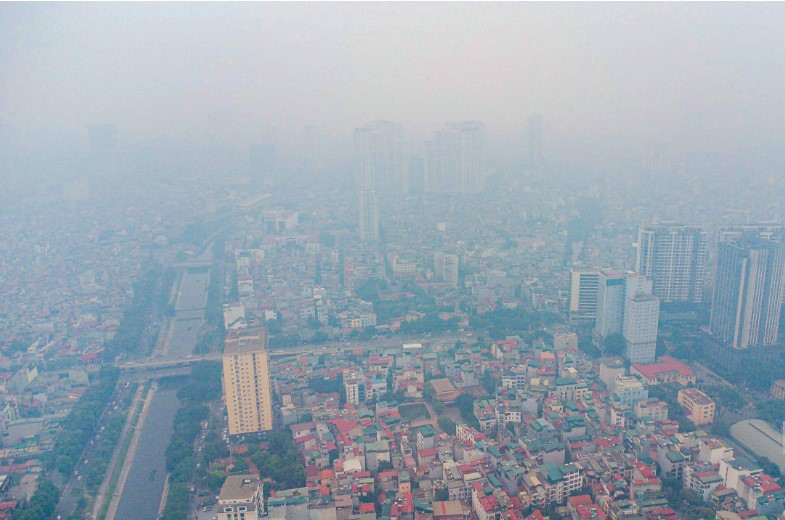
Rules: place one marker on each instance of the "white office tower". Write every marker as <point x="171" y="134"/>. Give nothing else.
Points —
<point x="610" y="304"/>
<point x="641" y="316"/>
<point x="673" y="257"/>
<point x="745" y="310"/>
<point x="369" y="216"/>
<point x="379" y="149"/>
<point x="445" y="268"/>
<point x="455" y="159"/>
<point x="583" y="296"/>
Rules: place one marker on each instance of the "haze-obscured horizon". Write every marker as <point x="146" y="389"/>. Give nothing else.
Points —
<point x="187" y="85"/>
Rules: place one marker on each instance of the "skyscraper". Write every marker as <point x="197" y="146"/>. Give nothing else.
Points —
<point x="246" y="382"/>
<point x="748" y="292"/>
<point x="369" y="216"/>
<point x="673" y="256"/>
<point x="445" y="268"/>
<point x="583" y="296"/>
<point x="640" y="319"/>
<point x="380" y="168"/>
<point x="455" y="159"/>
<point x="380" y="158"/>
<point x="416" y="175"/>
<point x="610" y="305"/>
<point x="626" y="306"/>
<point x="535" y="126"/>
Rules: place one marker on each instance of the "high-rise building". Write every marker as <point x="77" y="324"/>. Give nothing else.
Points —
<point x="445" y="268"/>
<point x="673" y="257"/>
<point x="455" y="159"/>
<point x="535" y="126"/>
<point x="610" y="305"/>
<point x="380" y="158"/>
<point x="640" y="320"/>
<point x="380" y="168"/>
<point x="584" y="284"/>
<point x="748" y="292"/>
<point x="766" y="231"/>
<point x="416" y="175"/>
<point x="369" y="216"/>
<point x="626" y="306"/>
<point x="246" y="381"/>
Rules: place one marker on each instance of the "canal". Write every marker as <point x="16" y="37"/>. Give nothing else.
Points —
<point x="144" y="485"/>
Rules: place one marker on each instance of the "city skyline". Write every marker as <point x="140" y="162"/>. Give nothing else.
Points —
<point x="392" y="261"/>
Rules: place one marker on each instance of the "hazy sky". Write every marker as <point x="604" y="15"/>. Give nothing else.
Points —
<point x="708" y="75"/>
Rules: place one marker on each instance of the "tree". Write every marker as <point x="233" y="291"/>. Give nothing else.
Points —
<point x="384" y="466"/>
<point x="447" y="425"/>
<point x="215" y="479"/>
<point x="613" y="345"/>
<point x="465" y="403"/>
<point x="730" y="398"/>
<point x="489" y="383"/>
<point x="42" y="504"/>
<point x="769" y="467"/>
<point x="240" y="466"/>
<point x="428" y="392"/>
<point x="720" y="429"/>
<point x="662" y="348"/>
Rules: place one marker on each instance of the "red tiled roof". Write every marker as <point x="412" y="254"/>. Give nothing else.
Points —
<point x="580" y="500"/>
<point x="666" y="364"/>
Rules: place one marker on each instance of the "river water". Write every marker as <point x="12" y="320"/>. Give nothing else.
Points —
<point x="144" y="485"/>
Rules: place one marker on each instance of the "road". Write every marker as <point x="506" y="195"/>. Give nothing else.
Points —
<point x="332" y="347"/>
<point x="68" y="500"/>
<point x="127" y="430"/>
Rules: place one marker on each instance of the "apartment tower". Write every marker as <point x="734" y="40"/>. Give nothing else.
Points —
<point x="455" y="159"/>
<point x="246" y="382"/>
<point x="640" y="319"/>
<point x="381" y="168"/>
<point x="748" y="292"/>
<point x="673" y="257"/>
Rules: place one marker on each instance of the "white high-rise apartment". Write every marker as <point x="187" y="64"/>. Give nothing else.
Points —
<point x="455" y="159"/>
<point x="673" y="257"/>
<point x="640" y="320"/>
<point x="748" y="292"/>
